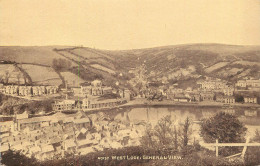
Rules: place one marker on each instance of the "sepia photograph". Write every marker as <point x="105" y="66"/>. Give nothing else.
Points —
<point x="129" y="82"/>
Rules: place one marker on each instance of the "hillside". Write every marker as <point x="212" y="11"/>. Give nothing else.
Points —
<point x="168" y="63"/>
<point x="191" y="61"/>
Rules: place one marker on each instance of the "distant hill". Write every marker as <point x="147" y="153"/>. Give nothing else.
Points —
<point x="183" y="62"/>
<point x="173" y="63"/>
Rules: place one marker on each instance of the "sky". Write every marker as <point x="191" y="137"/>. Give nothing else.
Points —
<point x="129" y="24"/>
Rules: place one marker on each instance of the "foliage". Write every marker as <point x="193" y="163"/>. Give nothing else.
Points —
<point x="185" y="131"/>
<point x="252" y="154"/>
<point x="85" y="74"/>
<point x="239" y="98"/>
<point x="11" y="158"/>
<point x="61" y="64"/>
<point x="257" y="136"/>
<point x="165" y="137"/>
<point x="224" y="127"/>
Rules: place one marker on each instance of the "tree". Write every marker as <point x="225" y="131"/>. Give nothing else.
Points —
<point x="224" y="127"/>
<point x="11" y="158"/>
<point x="175" y="138"/>
<point x="239" y="98"/>
<point x="7" y="76"/>
<point x="161" y="136"/>
<point x="164" y="132"/>
<point x="165" y="136"/>
<point x="185" y="131"/>
<point x="257" y="136"/>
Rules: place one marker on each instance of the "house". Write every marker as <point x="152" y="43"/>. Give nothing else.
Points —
<point x="34" y="150"/>
<point x="12" y="90"/>
<point x="40" y="90"/>
<point x="248" y="83"/>
<point x="64" y="105"/>
<point x="32" y="123"/>
<point x="7" y="126"/>
<point x="194" y="97"/>
<point x="126" y="94"/>
<point x="24" y="115"/>
<point x="76" y="91"/>
<point x="51" y="89"/>
<point x="96" y="104"/>
<point x="85" y="90"/>
<point x="96" y="83"/>
<point x="69" y="145"/>
<point x="228" y="91"/>
<point x="96" y="91"/>
<point x="85" y="143"/>
<point x="82" y="123"/>
<point x="86" y="150"/>
<point x="181" y="98"/>
<point x="47" y="152"/>
<point x="220" y="97"/>
<point x="229" y="99"/>
<point x="107" y="90"/>
<point x="212" y="84"/>
<point x="250" y="99"/>
<point x="207" y="96"/>
<point x="25" y="90"/>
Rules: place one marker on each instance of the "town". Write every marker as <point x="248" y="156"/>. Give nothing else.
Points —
<point x="59" y="134"/>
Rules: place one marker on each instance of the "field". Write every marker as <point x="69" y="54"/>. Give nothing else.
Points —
<point x="71" y="56"/>
<point x="72" y="79"/>
<point x="36" y="55"/>
<point x="91" y="53"/>
<point x="208" y="60"/>
<point x="216" y="66"/>
<point x="247" y="63"/>
<point x="41" y="75"/>
<point x="11" y="74"/>
<point x="97" y="66"/>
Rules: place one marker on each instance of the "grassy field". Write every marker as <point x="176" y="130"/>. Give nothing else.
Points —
<point x="72" y="79"/>
<point x="9" y="73"/>
<point x="37" y="55"/>
<point x="97" y="66"/>
<point x="216" y="66"/>
<point x="90" y="53"/>
<point x="41" y="75"/>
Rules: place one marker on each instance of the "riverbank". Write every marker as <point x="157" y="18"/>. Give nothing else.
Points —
<point x="145" y="102"/>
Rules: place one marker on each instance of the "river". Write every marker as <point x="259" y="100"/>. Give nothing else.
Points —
<point x="249" y="116"/>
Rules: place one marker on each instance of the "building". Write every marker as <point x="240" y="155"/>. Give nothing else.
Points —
<point x="41" y="90"/>
<point x="12" y="89"/>
<point x="250" y="99"/>
<point x="96" y="91"/>
<point x="212" y="84"/>
<point x="229" y="99"/>
<point x="97" y="104"/>
<point x="248" y="83"/>
<point x="64" y="105"/>
<point x="51" y="89"/>
<point x="228" y="91"/>
<point x="25" y="90"/>
<point x="126" y="94"/>
<point x="85" y="90"/>
<point x="107" y="90"/>
<point x="207" y="96"/>
<point x="180" y="98"/>
<point x="194" y="97"/>
<point x="96" y="83"/>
